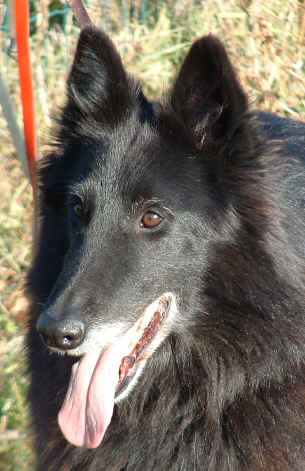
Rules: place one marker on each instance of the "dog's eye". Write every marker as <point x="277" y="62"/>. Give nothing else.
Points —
<point x="150" y="220"/>
<point x="78" y="209"/>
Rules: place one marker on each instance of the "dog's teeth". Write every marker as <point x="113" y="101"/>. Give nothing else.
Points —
<point x="126" y="364"/>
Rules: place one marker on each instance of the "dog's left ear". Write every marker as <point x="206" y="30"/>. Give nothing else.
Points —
<point x="98" y="86"/>
<point x="206" y="94"/>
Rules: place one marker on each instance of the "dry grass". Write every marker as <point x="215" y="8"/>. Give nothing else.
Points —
<point x="266" y="43"/>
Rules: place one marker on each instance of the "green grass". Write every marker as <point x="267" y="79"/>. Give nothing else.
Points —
<point x="15" y="233"/>
<point x="265" y="41"/>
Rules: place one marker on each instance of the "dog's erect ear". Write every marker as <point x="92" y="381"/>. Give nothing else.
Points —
<point x="98" y="85"/>
<point x="206" y="95"/>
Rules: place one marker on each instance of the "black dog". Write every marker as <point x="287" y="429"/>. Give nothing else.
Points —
<point x="170" y="272"/>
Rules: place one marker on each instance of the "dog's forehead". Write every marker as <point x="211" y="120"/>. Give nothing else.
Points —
<point x="140" y="159"/>
<point x="138" y="155"/>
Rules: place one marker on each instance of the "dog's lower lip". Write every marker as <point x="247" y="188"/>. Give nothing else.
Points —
<point x="130" y="362"/>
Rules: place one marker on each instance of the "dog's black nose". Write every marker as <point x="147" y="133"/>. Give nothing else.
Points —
<point x="64" y="334"/>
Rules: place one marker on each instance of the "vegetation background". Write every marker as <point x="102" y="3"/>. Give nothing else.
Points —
<point x="265" y="40"/>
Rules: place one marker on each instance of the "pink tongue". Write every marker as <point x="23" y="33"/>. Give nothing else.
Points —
<point x="88" y="406"/>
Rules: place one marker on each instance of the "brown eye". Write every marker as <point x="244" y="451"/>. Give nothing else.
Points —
<point x="150" y="220"/>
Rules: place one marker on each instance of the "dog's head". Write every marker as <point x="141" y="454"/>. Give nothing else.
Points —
<point x="133" y="200"/>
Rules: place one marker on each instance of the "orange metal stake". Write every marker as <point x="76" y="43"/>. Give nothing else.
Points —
<point x="25" y="77"/>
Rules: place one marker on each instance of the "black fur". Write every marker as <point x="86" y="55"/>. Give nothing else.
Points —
<point x="225" y="390"/>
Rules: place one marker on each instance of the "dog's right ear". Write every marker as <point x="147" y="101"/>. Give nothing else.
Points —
<point x="98" y="86"/>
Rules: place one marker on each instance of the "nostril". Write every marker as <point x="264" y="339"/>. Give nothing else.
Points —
<point x="64" y="334"/>
<point x="70" y="335"/>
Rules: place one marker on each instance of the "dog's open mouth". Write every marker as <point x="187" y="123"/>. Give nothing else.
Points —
<point x="100" y="378"/>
